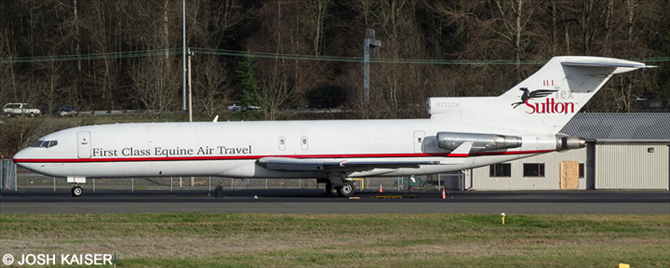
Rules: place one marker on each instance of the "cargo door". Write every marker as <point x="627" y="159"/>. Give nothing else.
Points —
<point x="84" y="144"/>
<point x="418" y="141"/>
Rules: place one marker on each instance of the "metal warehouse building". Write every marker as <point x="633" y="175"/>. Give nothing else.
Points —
<point x="624" y="151"/>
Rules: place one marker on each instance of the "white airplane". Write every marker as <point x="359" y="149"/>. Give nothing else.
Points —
<point x="462" y="133"/>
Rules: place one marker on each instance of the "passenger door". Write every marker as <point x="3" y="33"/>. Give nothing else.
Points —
<point x="84" y="144"/>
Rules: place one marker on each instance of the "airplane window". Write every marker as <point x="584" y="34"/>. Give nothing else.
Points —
<point x="45" y="144"/>
<point x="282" y="143"/>
<point x="37" y="144"/>
<point x="303" y="143"/>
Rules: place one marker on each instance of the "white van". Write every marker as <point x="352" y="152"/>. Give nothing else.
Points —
<point x="18" y="109"/>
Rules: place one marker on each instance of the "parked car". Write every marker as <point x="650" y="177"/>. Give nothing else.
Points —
<point x="252" y="107"/>
<point x="19" y="109"/>
<point x="59" y="111"/>
<point x="238" y="107"/>
<point x="235" y="107"/>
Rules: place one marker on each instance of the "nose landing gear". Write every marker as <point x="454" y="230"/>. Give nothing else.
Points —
<point x="77" y="191"/>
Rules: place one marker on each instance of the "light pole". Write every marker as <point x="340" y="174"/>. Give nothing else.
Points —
<point x="369" y="51"/>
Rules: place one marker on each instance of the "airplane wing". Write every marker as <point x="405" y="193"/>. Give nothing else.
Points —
<point x="298" y="164"/>
<point x="457" y="156"/>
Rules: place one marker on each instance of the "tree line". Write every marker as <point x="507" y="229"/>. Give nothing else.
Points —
<point x="517" y="31"/>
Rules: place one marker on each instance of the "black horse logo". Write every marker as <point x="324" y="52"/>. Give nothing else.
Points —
<point x="540" y="93"/>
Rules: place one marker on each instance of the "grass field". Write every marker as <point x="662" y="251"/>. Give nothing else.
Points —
<point x="414" y="240"/>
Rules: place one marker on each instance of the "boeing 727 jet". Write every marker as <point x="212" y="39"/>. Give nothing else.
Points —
<point x="461" y="133"/>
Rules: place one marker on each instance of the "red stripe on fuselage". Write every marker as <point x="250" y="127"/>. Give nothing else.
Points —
<point x="251" y="157"/>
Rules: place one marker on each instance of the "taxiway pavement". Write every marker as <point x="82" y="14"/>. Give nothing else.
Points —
<point x="298" y="201"/>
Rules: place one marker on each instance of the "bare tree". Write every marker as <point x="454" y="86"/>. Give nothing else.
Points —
<point x="588" y="31"/>
<point x="276" y="94"/>
<point x="211" y="84"/>
<point x="8" y="86"/>
<point x="318" y="9"/>
<point x="409" y="29"/>
<point x="514" y="17"/>
<point x="53" y="72"/>
<point x="154" y="87"/>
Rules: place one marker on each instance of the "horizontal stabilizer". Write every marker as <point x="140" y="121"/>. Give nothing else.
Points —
<point x="607" y="64"/>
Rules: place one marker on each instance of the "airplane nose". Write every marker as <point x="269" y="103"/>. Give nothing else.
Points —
<point x="21" y="155"/>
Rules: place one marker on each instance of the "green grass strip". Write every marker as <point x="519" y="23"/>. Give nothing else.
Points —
<point x="325" y="240"/>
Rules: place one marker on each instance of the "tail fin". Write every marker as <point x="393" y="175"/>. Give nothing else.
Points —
<point x="545" y="101"/>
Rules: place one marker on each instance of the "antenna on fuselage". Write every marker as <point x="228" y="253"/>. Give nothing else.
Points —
<point x="216" y="119"/>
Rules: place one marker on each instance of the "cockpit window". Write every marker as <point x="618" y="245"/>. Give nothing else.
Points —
<point x="38" y="144"/>
<point x="45" y="144"/>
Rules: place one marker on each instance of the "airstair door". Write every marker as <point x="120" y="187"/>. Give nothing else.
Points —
<point x="84" y="144"/>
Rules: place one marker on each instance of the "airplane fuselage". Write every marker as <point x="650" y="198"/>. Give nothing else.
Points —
<point x="231" y="149"/>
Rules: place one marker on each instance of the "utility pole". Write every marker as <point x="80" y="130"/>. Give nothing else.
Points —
<point x="190" y="89"/>
<point x="190" y="99"/>
<point x="369" y="52"/>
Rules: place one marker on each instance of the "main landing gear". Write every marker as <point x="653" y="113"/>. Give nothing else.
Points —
<point x="347" y="190"/>
<point x="337" y="185"/>
<point x="330" y="189"/>
<point x="77" y="191"/>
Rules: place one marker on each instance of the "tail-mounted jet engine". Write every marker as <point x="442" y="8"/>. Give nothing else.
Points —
<point x="481" y="142"/>
<point x="564" y="143"/>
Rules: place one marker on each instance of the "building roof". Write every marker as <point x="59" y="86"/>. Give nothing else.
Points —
<point x="620" y="126"/>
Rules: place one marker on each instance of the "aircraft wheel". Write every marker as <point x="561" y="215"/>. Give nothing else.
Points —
<point x="330" y="189"/>
<point x="347" y="190"/>
<point x="77" y="191"/>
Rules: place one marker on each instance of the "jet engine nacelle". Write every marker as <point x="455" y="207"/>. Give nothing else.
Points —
<point x="564" y="143"/>
<point x="481" y="142"/>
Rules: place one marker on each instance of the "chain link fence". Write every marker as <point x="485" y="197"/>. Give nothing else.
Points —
<point x="12" y="181"/>
<point x="8" y="181"/>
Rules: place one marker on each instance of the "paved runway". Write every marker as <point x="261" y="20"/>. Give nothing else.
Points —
<point x="43" y="201"/>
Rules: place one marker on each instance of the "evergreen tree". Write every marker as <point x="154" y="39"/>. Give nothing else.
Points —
<point x="251" y="93"/>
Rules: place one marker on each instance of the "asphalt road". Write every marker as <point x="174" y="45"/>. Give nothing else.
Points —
<point x="42" y="201"/>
